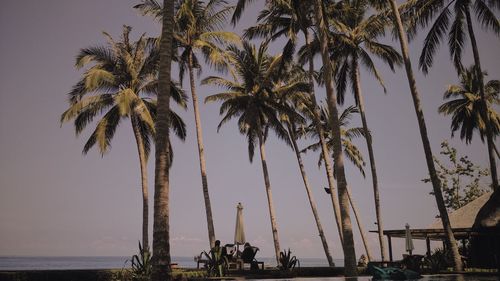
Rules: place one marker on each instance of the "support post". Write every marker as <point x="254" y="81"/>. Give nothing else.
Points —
<point x="428" y="244"/>
<point x="389" y="241"/>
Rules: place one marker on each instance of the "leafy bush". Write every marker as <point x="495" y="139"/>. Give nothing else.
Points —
<point x="438" y="260"/>
<point x="287" y="261"/>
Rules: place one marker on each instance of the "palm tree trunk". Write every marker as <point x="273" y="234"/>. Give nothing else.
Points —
<point x="162" y="269"/>
<point x="310" y="196"/>
<point x="272" y="215"/>
<point x="484" y="112"/>
<point x="361" y="228"/>
<point x="324" y="149"/>
<point x="143" y="161"/>
<point x="348" y="245"/>
<point x="201" y="153"/>
<point x="436" y="184"/>
<point x="369" y="144"/>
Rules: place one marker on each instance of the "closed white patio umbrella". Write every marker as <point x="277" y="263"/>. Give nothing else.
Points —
<point x="408" y="240"/>
<point x="239" y="232"/>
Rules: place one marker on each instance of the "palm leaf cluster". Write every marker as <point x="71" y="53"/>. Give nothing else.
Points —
<point x="448" y="18"/>
<point x="120" y="82"/>
<point x="464" y="105"/>
<point x="254" y="100"/>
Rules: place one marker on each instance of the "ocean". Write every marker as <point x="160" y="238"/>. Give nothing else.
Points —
<point x="48" y="263"/>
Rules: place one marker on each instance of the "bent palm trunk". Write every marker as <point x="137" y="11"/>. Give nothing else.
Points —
<point x="362" y="231"/>
<point x="310" y="196"/>
<point x="369" y="144"/>
<point x="201" y="153"/>
<point x="144" y="181"/>
<point x="348" y="245"/>
<point x="267" y="182"/>
<point x="162" y="270"/>
<point x="436" y="184"/>
<point x="324" y="149"/>
<point x="484" y="112"/>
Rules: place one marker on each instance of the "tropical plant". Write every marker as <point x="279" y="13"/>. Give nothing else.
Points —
<point x="141" y="266"/>
<point x="439" y="260"/>
<point x="215" y="266"/>
<point x="348" y="239"/>
<point x="457" y="191"/>
<point x="287" y="261"/>
<point x="436" y="184"/>
<point x="354" y="43"/>
<point x="198" y="27"/>
<point x="464" y="105"/>
<point x="288" y="18"/>
<point x="423" y="12"/>
<point x="297" y="97"/>
<point x="161" y="259"/>
<point x="254" y="102"/>
<point x="350" y="151"/>
<point x="120" y="81"/>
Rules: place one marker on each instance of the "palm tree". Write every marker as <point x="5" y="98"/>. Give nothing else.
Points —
<point x="296" y="95"/>
<point x="423" y="13"/>
<point x="198" y="27"/>
<point x="464" y="105"/>
<point x="351" y="151"/>
<point x="348" y="240"/>
<point x="436" y="184"/>
<point x="354" y="40"/>
<point x="161" y="260"/>
<point x="198" y="30"/>
<point x="120" y="82"/>
<point x="288" y="18"/>
<point x="253" y="101"/>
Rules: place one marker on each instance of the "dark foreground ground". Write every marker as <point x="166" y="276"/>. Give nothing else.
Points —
<point x="179" y="274"/>
<point x="193" y="274"/>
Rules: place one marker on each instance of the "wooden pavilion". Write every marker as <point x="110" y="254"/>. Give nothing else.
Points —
<point x="461" y="221"/>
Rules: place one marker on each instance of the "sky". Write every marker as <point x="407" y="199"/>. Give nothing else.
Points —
<point x="54" y="201"/>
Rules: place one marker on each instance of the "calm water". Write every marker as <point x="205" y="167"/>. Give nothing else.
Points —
<point x="33" y="263"/>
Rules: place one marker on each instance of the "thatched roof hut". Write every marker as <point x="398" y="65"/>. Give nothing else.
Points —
<point x="465" y="216"/>
<point x="462" y="221"/>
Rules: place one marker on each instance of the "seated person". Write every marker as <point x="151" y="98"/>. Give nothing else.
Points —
<point x="248" y="255"/>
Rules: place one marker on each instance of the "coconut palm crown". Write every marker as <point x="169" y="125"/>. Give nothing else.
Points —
<point x="439" y="14"/>
<point x="255" y="99"/>
<point x="465" y="106"/>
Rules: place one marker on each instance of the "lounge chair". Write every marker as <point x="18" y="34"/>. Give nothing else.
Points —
<point x="248" y="257"/>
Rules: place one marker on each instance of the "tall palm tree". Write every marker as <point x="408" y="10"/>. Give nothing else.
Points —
<point x="436" y="184"/>
<point x="423" y="13"/>
<point x="464" y="105"/>
<point x="161" y="260"/>
<point x="354" y="41"/>
<point x="120" y="81"/>
<point x="298" y="98"/>
<point x="348" y="239"/>
<point x="351" y="151"/>
<point x="289" y="18"/>
<point x="253" y="101"/>
<point x="198" y="27"/>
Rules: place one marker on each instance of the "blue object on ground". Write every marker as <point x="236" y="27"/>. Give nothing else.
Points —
<point x="392" y="273"/>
